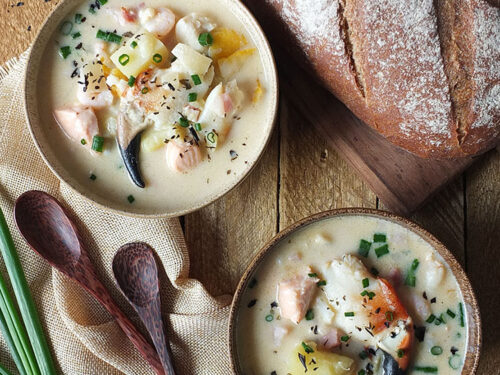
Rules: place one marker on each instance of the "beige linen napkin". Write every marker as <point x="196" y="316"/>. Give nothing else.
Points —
<point x="83" y="337"/>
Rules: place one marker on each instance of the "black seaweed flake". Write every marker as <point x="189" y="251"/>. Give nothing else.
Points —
<point x="302" y="360"/>
<point x="233" y="154"/>
<point x="453" y="350"/>
<point x="79" y="46"/>
<point x="274" y="304"/>
<point x="252" y="303"/>
<point x="433" y="300"/>
<point x="420" y="333"/>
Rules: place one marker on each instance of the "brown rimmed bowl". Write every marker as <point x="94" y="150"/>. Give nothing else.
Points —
<point x="471" y="306"/>
<point x="53" y="160"/>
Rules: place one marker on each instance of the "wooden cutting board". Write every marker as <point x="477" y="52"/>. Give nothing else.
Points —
<point x="401" y="180"/>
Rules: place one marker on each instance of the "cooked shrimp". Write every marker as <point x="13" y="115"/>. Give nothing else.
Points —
<point x="92" y="88"/>
<point x="295" y="296"/>
<point x="183" y="157"/>
<point x="78" y="122"/>
<point x="158" y="21"/>
<point x="433" y="272"/>
<point x="383" y="320"/>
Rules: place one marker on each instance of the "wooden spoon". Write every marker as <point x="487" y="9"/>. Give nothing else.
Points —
<point x="50" y="232"/>
<point x="136" y="273"/>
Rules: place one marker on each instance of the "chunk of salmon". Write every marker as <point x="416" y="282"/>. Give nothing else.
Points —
<point x="78" y="122"/>
<point x="295" y="296"/>
<point x="331" y="340"/>
<point x="183" y="157"/>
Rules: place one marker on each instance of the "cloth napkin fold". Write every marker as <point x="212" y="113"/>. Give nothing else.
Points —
<point x="83" y="337"/>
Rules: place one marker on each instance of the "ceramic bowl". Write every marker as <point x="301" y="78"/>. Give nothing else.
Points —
<point x="472" y="310"/>
<point x="39" y="133"/>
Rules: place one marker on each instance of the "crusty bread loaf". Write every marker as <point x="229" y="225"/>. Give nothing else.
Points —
<point x="424" y="73"/>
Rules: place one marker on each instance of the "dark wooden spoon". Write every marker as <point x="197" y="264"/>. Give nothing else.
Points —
<point x="49" y="231"/>
<point x="136" y="274"/>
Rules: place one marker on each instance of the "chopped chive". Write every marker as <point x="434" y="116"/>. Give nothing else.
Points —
<point x="76" y="35"/>
<point x="401" y="353"/>
<point x="196" y="79"/>
<point x="382" y="250"/>
<point x="411" y="278"/>
<point x="365" y="282"/>
<point x="364" y="293"/>
<point x="92" y="9"/>
<point x="124" y="59"/>
<point x="183" y="122"/>
<point x="157" y="58"/>
<point x="131" y="81"/>
<point x="83" y="141"/>
<point x="144" y="90"/>
<point x="363" y="354"/>
<point x="312" y="274"/>
<point x="321" y="283"/>
<point x="461" y="312"/>
<point x="441" y="317"/>
<point x="252" y="283"/>
<point x="212" y="139"/>
<point x="269" y="318"/>
<point x="364" y="248"/>
<point x="451" y="313"/>
<point x="389" y="316"/>
<point x="310" y="314"/>
<point x="374" y="271"/>
<point x="205" y="39"/>
<point x="133" y="44"/>
<point x="108" y="36"/>
<point x="454" y="362"/>
<point x="102" y="2"/>
<point x="78" y="18"/>
<point x="192" y="97"/>
<point x="371" y="295"/>
<point x="379" y="237"/>
<point x="307" y="348"/>
<point x="349" y="314"/>
<point x="65" y="51"/>
<point x="426" y="369"/>
<point x="66" y="28"/>
<point x="345" y="338"/>
<point x="130" y="199"/>
<point x="436" y="350"/>
<point x="361" y="372"/>
<point x="438" y="322"/>
<point x="197" y="127"/>
<point x="431" y="318"/>
<point x="97" y="143"/>
<point x="93" y="177"/>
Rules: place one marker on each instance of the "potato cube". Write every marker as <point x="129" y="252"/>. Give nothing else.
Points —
<point x="192" y="61"/>
<point x="319" y="362"/>
<point x="139" y="54"/>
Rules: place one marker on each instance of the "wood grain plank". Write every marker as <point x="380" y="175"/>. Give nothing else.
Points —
<point x="482" y="245"/>
<point x="223" y="237"/>
<point x="313" y="177"/>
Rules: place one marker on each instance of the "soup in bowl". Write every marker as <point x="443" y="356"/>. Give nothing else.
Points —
<point x="154" y="107"/>
<point x="354" y="291"/>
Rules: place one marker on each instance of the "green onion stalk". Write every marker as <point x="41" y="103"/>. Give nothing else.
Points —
<point x="4" y="371"/>
<point x="25" y="300"/>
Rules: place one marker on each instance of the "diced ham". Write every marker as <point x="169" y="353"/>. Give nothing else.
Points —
<point x="181" y="158"/>
<point x="295" y="295"/>
<point x="331" y="340"/>
<point x="78" y="122"/>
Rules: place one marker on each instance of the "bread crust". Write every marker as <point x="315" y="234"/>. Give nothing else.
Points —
<point x="423" y="73"/>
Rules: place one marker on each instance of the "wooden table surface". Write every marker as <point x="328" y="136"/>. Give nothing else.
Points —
<point x="300" y="175"/>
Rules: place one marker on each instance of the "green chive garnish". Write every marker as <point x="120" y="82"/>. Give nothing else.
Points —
<point x="97" y="143"/>
<point x="133" y="44"/>
<point x="365" y="282"/>
<point x="205" y="39"/>
<point x="313" y="274"/>
<point x="65" y="51"/>
<point x="361" y="372"/>
<point x="144" y="90"/>
<point x="124" y="59"/>
<point x="269" y="318"/>
<point x="93" y="177"/>
<point x="379" y="237"/>
<point x="451" y="313"/>
<point x="310" y="314"/>
<point x="363" y="354"/>
<point x="411" y="278"/>
<point x="183" y="122"/>
<point x="364" y="248"/>
<point x="371" y="295"/>
<point x="108" y="36"/>
<point x="431" y="318"/>
<point x="389" y="316"/>
<point x="66" y="28"/>
<point x="78" y="18"/>
<point x="196" y="79"/>
<point x="364" y="293"/>
<point x="454" y="362"/>
<point x="76" y="35"/>
<point x="157" y="58"/>
<point x="102" y="2"/>
<point x="130" y="199"/>
<point x="131" y="81"/>
<point x="345" y="338"/>
<point x="461" y="312"/>
<point x="426" y="369"/>
<point x="321" y="283"/>
<point x="349" y="314"/>
<point x="92" y="9"/>
<point x="382" y="250"/>
<point x="401" y="353"/>
<point x="307" y="348"/>
<point x="192" y="97"/>
<point x="436" y="350"/>
<point x="83" y="141"/>
<point x="197" y="127"/>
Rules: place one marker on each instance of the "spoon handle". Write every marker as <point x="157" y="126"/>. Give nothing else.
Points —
<point x="144" y="347"/>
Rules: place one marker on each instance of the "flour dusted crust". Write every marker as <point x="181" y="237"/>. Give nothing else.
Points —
<point x="424" y="73"/>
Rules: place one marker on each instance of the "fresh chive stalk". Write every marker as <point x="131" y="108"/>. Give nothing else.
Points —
<point x="10" y="343"/>
<point x="4" y="371"/>
<point x="25" y="300"/>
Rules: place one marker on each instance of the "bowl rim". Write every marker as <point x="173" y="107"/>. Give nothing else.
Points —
<point x="271" y="115"/>
<point x="474" y="341"/>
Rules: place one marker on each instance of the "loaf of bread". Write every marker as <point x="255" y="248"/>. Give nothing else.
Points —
<point x="423" y="73"/>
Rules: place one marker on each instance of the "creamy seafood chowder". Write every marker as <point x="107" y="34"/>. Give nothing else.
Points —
<point x="156" y="103"/>
<point x="351" y="295"/>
